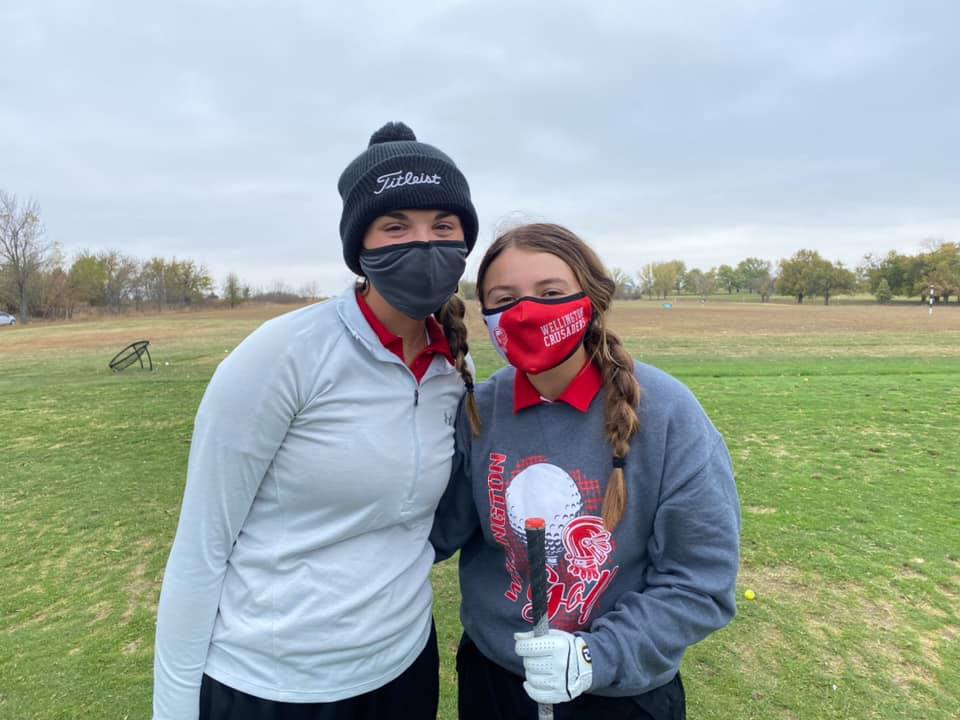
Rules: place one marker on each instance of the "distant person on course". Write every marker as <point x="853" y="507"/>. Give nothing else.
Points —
<point x="631" y="477"/>
<point x="298" y="585"/>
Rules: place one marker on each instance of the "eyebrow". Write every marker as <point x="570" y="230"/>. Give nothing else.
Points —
<point x="540" y="284"/>
<point x="403" y="216"/>
<point x="551" y="281"/>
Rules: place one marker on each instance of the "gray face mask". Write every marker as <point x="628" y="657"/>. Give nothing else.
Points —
<point x="416" y="278"/>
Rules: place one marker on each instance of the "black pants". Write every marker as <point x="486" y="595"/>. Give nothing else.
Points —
<point x="412" y="696"/>
<point x="488" y="692"/>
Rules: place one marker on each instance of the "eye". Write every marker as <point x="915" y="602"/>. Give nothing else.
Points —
<point x="394" y="228"/>
<point x="551" y="292"/>
<point x="444" y="227"/>
<point x="502" y="299"/>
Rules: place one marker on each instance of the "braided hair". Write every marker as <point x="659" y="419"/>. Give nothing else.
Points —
<point x="450" y="317"/>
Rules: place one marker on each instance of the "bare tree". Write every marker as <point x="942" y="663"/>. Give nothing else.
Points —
<point x="310" y="290"/>
<point x="646" y="279"/>
<point x="153" y="278"/>
<point x="49" y="290"/>
<point x="24" y="247"/>
<point x="626" y="287"/>
<point x="121" y="273"/>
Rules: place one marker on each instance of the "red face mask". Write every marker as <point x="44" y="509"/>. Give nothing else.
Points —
<point x="537" y="334"/>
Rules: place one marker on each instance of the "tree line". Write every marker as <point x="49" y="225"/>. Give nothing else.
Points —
<point x="933" y="273"/>
<point x="37" y="281"/>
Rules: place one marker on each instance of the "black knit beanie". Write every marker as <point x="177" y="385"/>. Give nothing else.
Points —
<point x="396" y="172"/>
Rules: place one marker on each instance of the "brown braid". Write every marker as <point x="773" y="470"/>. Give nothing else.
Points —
<point x="451" y="317"/>
<point x="621" y="421"/>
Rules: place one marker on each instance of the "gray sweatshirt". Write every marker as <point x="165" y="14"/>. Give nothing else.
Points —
<point x="662" y="581"/>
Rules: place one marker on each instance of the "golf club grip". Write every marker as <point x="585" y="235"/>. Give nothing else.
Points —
<point x="537" y="560"/>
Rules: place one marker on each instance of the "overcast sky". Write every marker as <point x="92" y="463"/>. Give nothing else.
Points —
<point x="702" y="131"/>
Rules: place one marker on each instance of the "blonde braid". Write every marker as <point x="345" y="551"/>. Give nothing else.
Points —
<point x="451" y="317"/>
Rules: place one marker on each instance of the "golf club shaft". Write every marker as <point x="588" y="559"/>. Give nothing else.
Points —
<point x="537" y="560"/>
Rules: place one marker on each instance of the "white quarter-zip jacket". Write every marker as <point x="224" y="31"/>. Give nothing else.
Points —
<point x="300" y="568"/>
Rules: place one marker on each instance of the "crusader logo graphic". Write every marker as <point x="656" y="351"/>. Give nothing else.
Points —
<point x="588" y="545"/>
<point x="501" y="338"/>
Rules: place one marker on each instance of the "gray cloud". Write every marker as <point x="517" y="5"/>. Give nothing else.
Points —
<point x="705" y="131"/>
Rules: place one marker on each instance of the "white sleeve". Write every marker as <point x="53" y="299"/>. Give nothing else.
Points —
<point x="243" y="418"/>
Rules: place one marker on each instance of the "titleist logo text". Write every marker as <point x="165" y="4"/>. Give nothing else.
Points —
<point x="400" y="178"/>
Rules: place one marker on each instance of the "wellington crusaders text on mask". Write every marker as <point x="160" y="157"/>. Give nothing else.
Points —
<point x="537" y="334"/>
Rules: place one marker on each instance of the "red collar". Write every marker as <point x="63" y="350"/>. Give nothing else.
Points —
<point x="578" y="394"/>
<point x="394" y="343"/>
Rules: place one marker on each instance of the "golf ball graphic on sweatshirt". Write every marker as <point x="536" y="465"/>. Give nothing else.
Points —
<point x="545" y="491"/>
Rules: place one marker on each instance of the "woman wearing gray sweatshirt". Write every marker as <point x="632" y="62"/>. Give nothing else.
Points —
<point x="632" y="479"/>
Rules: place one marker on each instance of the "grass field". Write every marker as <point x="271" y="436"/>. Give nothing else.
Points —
<point x="842" y="422"/>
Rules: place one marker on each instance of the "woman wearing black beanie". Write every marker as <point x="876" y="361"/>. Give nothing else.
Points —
<point x="298" y="582"/>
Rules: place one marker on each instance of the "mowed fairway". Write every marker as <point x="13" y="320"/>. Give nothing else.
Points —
<point x="842" y="423"/>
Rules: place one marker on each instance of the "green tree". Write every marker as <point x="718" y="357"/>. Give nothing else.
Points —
<point x="108" y="278"/>
<point x="701" y="283"/>
<point x="943" y="263"/>
<point x="87" y="279"/>
<point x="665" y="277"/>
<point x="829" y="279"/>
<point x="186" y="282"/>
<point x="917" y="270"/>
<point x="900" y="272"/>
<point x="754" y="273"/>
<point x="729" y="279"/>
<point x="693" y="281"/>
<point x="233" y="290"/>
<point x="795" y="276"/>
<point x="883" y="293"/>
<point x="681" y="270"/>
<point x="807" y="273"/>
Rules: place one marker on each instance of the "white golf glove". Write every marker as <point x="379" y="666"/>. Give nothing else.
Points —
<point x="557" y="665"/>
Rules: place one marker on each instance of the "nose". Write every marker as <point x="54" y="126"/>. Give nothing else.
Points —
<point x="423" y="232"/>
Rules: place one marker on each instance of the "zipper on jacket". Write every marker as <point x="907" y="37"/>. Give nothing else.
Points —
<point x="408" y="501"/>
